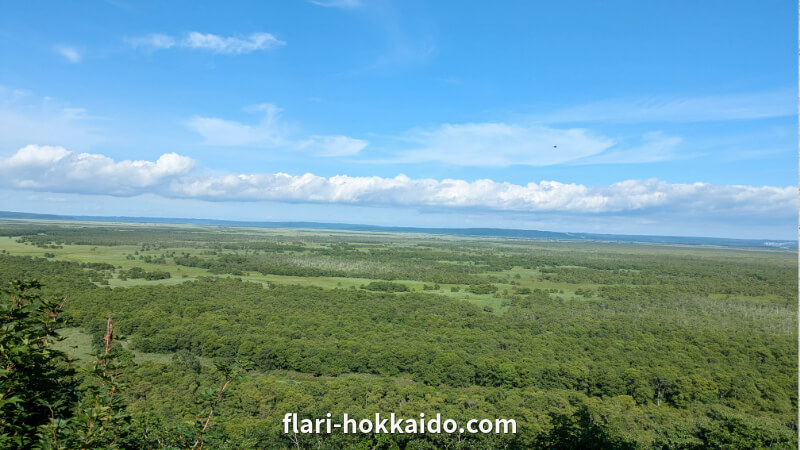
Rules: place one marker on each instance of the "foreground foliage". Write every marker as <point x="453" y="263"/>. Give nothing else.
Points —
<point x="44" y="403"/>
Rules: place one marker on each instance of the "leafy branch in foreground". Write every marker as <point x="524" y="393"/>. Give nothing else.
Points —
<point x="40" y="403"/>
<point x="44" y="405"/>
<point x="36" y="384"/>
<point x="212" y="397"/>
<point x="102" y="419"/>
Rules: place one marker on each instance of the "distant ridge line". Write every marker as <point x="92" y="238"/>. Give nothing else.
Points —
<point x="474" y="232"/>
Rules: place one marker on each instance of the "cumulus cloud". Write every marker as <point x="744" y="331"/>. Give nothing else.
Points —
<point x="501" y="144"/>
<point x="71" y="54"/>
<point x="545" y="196"/>
<point x="271" y="132"/>
<point x="231" y="45"/>
<point x="55" y="169"/>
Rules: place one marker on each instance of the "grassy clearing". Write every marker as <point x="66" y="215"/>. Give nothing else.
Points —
<point x="77" y="344"/>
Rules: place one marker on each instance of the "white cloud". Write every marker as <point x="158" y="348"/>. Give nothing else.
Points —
<point x="71" y="54"/>
<point x="545" y="196"/>
<point x="501" y="144"/>
<point x="682" y="109"/>
<point x="230" y="45"/>
<point x="55" y="169"/>
<point x="271" y="132"/>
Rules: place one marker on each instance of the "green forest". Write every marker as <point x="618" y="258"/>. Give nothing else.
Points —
<point x="218" y="332"/>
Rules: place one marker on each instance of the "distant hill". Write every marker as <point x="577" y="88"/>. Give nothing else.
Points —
<point x="476" y="232"/>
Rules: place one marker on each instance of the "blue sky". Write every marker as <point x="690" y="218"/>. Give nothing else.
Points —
<point x="674" y="118"/>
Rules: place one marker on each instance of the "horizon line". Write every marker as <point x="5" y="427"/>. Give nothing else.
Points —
<point x="461" y="231"/>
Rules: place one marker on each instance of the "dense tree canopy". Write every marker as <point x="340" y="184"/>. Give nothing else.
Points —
<point x="590" y="345"/>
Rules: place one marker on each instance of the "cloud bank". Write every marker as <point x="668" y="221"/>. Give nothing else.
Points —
<point x="55" y="169"/>
<point x="230" y="45"/>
